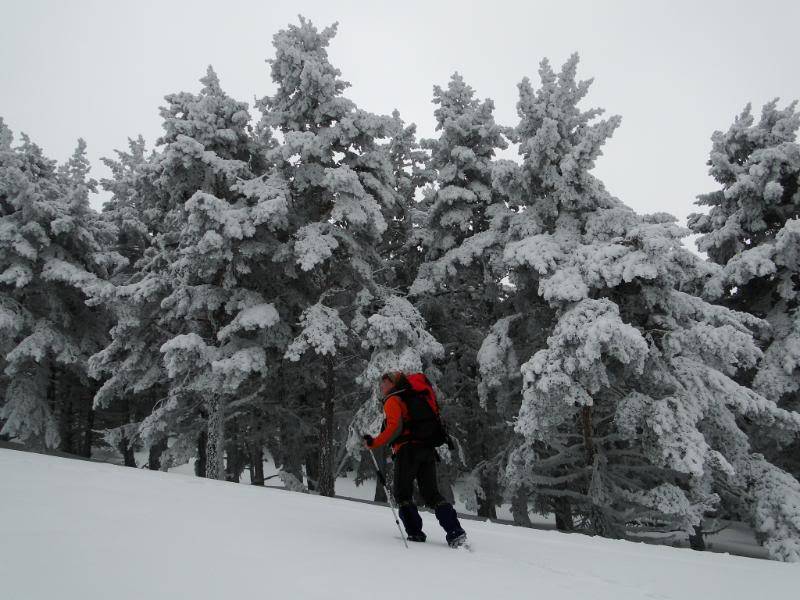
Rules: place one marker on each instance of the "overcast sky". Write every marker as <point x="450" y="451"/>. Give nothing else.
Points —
<point x="675" y="71"/>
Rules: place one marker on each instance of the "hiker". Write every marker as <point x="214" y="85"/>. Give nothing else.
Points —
<point x="413" y="428"/>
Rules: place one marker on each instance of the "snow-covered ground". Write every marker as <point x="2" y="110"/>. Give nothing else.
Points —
<point x="735" y="538"/>
<point x="83" y="530"/>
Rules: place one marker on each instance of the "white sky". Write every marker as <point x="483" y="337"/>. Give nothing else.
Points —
<point x="675" y="71"/>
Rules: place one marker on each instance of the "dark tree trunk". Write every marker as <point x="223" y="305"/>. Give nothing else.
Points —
<point x="596" y="516"/>
<point x="156" y="450"/>
<point x="215" y="436"/>
<point x="696" y="540"/>
<point x="291" y="456"/>
<point x="200" y="463"/>
<point x="66" y="425"/>
<point x="126" y="449"/>
<point x="326" y="429"/>
<point x="381" y="455"/>
<point x="600" y="524"/>
<point x="257" y="465"/>
<point x="125" y="446"/>
<point x="65" y="429"/>
<point x="52" y="404"/>
<point x="519" y="509"/>
<point x="237" y="460"/>
<point x="380" y="492"/>
<point x="487" y="506"/>
<point x="312" y="464"/>
<point x="88" y="430"/>
<point x="235" y="457"/>
<point x="232" y="462"/>
<point x="563" y="512"/>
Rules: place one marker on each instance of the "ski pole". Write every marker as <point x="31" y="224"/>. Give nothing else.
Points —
<point x="382" y="479"/>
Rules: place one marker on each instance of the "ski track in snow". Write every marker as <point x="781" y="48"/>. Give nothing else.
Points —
<point x="73" y="529"/>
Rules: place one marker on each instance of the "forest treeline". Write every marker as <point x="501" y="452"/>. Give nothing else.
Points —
<point x="250" y="279"/>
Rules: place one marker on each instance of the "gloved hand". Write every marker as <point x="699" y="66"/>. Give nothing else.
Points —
<point x="367" y="440"/>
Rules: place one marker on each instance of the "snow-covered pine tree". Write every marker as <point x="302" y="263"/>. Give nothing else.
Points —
<point x="753" y="232"/>
<point x="196" y="312"/>
<point x="55" y="261"/>
<point x="631" y="412"/>
<point x="134" y="396"/>
<point x="401" y="249"/>
<point x="129" y="210"/>
<point x="135" y="382"/>
<point x="220" y="308"/>
<point x="461" y="162"/>
<point x="458" y="286"/>
<point x="509" y="340"/>
<point x="342" y="191"/>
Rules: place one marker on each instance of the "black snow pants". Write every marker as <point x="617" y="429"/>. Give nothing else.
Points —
<point x="417" y="462"/>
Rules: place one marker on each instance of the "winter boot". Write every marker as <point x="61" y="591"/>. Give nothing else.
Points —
<point x="448" y="519"/>
<point x="458" y="541"/>
<point x="409" y="515"/>
<point x="417" y="537"/>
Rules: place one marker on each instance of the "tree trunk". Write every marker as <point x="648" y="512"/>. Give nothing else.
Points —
<point x="66" y="426"/>
<point x="519" y="509"/>
<point x="156" y="450"/>
<point x="312" y="464"/>
<point x="380" y="492"/>
<point x="696" y="540"/>
<point x="291" y="456"/>
<point x="563" y="512"/>
<point x="125" y="446"/>
<point x="600" y="525"/>
<point x="257" y="465"/>
<point x="200" y="463"/>
<point x="88" y="430"/>
<point x="215" y="468"/>
<point x="232" y="463"/>
<point x="326" y="474"/>
<point x="235" y="456"/>
<point x="53" y="405"/>
<point x="126" y="449"/>
<point x="487" y="506"/>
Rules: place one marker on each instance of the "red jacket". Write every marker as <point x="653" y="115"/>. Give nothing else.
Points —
<point x="396" y="416"/>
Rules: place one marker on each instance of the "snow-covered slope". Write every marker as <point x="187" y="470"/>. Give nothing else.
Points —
<point x="82" y="530"/>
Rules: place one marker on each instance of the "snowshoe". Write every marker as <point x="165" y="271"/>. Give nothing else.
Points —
<point x="458" y="541"/>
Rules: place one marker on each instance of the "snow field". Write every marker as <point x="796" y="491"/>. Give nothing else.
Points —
<point x="74" y="529"/>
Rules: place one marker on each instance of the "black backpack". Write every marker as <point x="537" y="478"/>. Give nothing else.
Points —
<point x="425" y="426"/>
